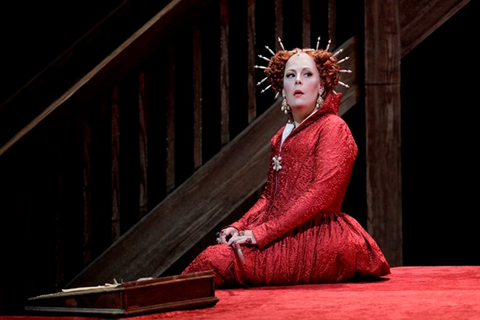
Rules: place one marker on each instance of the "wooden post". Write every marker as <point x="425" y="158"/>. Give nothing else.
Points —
<point x="383" y="126"/>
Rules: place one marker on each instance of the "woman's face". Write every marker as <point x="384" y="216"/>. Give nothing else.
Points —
<point x="301" y="84"/>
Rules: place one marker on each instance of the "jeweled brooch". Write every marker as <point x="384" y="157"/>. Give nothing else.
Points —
<point x="277" y="163"/>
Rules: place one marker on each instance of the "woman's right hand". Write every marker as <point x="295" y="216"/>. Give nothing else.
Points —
<point x="226" y="234"/>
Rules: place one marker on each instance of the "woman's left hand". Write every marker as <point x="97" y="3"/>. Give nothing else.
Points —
<point x="243" y="237"/>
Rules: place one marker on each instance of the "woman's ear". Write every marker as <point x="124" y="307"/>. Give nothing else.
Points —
<point x="283" y="93"/>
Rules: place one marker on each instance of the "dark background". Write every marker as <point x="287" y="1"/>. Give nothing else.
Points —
<point x="439" y="106"/>
<point x="34" y="33"/>
<point x="439" y="143"/>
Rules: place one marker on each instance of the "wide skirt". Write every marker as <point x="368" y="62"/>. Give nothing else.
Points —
<point x="331" y="248"/>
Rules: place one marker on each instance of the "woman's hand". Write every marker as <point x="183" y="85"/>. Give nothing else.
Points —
<point x="242" y="237"/>
<point x="226" y="234"/>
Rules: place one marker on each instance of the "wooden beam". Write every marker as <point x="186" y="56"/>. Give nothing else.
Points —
<point x="87" y="193"/>
<point x="278" y="22"/>
<point x="224" y="75"/>
<point x="115" y="161"/>
<point x="306" y="24"/>
<point x="251" y="59"/>
<point x="197" y="98"/>
<point x="170" y="182"/>
<point x="383" y="126"/>
<point x="142" y="144"/>
<point x="420" y="18"/>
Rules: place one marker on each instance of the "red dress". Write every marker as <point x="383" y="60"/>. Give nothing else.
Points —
<point x="302" y="235"/>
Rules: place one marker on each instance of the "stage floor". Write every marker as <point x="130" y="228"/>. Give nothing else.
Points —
<point x="440" y="292"/>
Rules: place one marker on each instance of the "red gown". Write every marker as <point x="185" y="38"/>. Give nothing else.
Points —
<point x="302" y="235"/>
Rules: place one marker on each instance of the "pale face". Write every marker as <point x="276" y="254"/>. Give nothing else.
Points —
<point x="301" y="85"/>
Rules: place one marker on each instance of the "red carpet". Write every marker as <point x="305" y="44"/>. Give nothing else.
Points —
<point x="443" y="292"/>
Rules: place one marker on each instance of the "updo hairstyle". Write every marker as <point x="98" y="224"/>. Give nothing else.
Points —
<point x="325" y="61"/>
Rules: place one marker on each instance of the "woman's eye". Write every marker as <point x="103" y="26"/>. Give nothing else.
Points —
<point x="308" y="74"/>
<point x="289" y="75"/>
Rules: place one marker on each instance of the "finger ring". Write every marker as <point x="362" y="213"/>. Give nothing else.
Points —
<point x="241" y="233"/>
<point x="218" y="240"/>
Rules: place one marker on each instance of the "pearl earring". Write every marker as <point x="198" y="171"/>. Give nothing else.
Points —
<point x="285" y="106"/>
<point x="319" y="100"/>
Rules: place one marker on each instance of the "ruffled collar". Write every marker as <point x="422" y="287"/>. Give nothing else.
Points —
<point x="329" y="106"/>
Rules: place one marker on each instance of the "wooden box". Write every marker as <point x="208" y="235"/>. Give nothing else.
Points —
<point x="188" y="291"/>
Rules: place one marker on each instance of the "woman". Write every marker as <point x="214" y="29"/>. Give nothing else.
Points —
<point x="296" y="233"/>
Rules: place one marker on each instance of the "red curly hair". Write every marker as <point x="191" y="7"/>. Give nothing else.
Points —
<point x="326" y="62"/>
